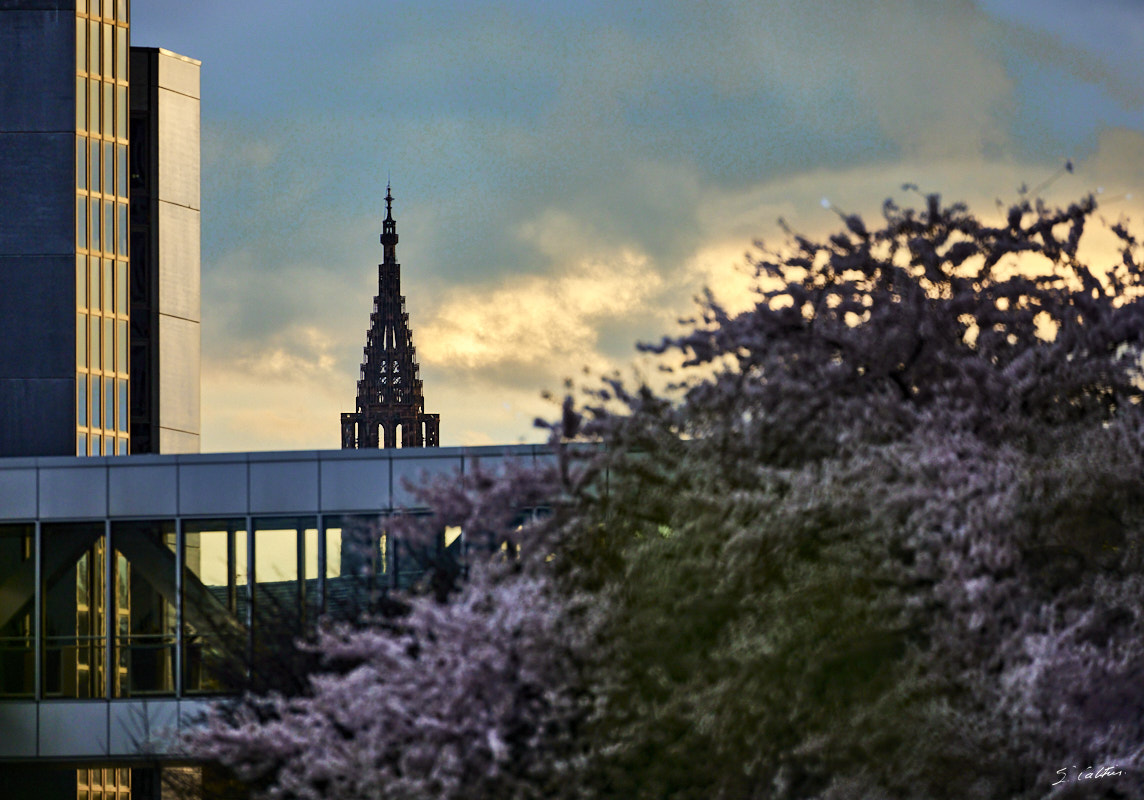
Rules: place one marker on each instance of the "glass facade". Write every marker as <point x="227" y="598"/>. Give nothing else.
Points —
<point x="107" y="783"/>
<point x="112" y="594"/>
<point x="102" y="227"/>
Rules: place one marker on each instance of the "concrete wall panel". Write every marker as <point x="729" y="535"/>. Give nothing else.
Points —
<point x="418" y="466"/>
<point x="179" y="373"/>
<point x="179" y="261"/>
<point x="18" y="722"/>
<point x="18" y="495"/>
<point x="213" y="489"/>
<point x="178" y="144"/>
<point x="172" y="441"/>
<point x="136" y="724"/>
<point x="150" y="491"/>
<point x="283" y="487"/>
<point x="354" y="484"/>
<point x="179" y="74"/>
<point x="74" y="492"/>
<point x="71" y="729"/>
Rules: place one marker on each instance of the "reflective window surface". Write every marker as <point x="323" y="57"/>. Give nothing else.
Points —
<point x="74" y="633"/>
<point x="145" y="603"/>
<point x="216" y="602"/>
<point x="111" y="599"/>
<point x="17" y="576"/>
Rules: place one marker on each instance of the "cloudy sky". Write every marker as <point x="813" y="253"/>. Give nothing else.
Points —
<point x="568" y="175"/>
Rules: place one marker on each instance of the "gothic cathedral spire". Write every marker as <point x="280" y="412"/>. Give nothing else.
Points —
<point x="390" y="402"/>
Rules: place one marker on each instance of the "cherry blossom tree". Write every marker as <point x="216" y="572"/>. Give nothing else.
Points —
<point x="880" y="536"/>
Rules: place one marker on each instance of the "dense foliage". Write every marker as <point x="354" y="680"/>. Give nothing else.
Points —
<point x="881" y="538"/>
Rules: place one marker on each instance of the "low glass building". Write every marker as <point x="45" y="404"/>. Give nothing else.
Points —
<point x="120" y="576"/>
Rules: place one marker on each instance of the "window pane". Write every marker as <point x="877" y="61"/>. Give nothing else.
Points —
<point x="122" y="443"/>
<point x="81" y="281"/>
<point x="73" y="624"/>
<point x="357" y="570"/>
<point x="95" y="352"/>
<point x="95" y="218"/>
<point x="93" y="47"/>
<point x="17" y="648"/>
<point x="121" y="356"/>
<point x="144" y="607"/>
<point x="96" y="405"/>
<point x="81" y="44"/>
<point x="215" y="603"/>
<point x="95" y="172"/>
<point x="124" y="230"/>
<point x="121" y="118"/>
<point x="93" y="105"/>
<point x="108" y="286"/>
<point x="108" y="108"/>
<point x="121" y="285"/>
<point x="121" y="153"/>
<point x="93" y="294"/>
<point x="81" y="340"/>
<point x="108" y="351"/>
<point x="81" y="221"/>
<point x="108" y="168"/>
<point x="121" y="390"/>
<point x="108" y="54"/>
<point x="81" y="444"/>
<point x="81" y="163"/>
<point x="109" y="226"/>
<point x="121" y="53"/>
<point x="81" y="396"/>
<point x="80" y="104"/>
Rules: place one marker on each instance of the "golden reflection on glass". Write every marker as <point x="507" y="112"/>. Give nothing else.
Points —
<point x="93" y="164"/>
<point x="121" y="118"/>
<point x="81" y="44"/>
<point x="95" y="346"/>
<point x="93" y="294"/>
<point x="93" y="105"/>
<point x="81" y="104"/>
<point x="108" y="348"/>
<point x="81" y="163"/>
<point x="121" y="285"/>
<point x="121" y="354"/>
<point x="81" y="394"/>
<point x="109" y="226"/>
<point x="81" y="281"/>
<point x="93" y="47"/>
<point x="121" y="50"/>
<point x="81" y="221"/>
<point x="109" y="287"/>
<point x="108" y="168"/>
<point x="108" y="108"/>
<point x="81" y="340"/>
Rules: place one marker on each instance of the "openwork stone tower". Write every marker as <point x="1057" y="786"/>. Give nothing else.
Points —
<point x="390" y="401"/>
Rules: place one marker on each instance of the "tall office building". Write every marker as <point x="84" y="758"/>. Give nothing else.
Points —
<point x="99" y="228"/>
<point x="164" y="252"/>
<point x="66" y="329"/>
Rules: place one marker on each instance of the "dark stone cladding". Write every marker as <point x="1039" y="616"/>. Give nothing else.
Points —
<point x="37" y="67"/>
